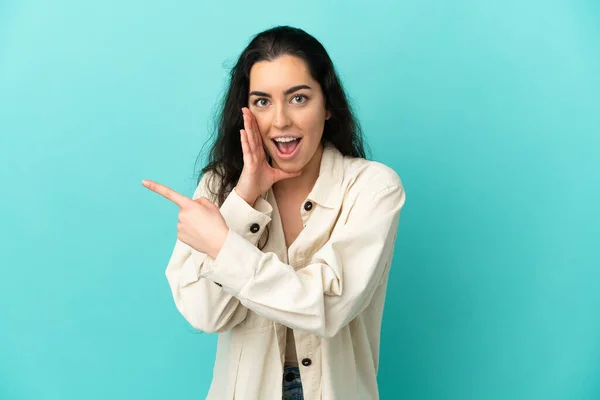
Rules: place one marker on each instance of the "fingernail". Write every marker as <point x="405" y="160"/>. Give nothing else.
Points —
<point x="145" y="183"/>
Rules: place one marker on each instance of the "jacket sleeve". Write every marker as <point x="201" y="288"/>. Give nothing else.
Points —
<point x="203" y="302"/>
<point x="340" y="279"/>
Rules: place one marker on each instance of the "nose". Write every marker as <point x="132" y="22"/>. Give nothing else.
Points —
<point x="282" y="119"/>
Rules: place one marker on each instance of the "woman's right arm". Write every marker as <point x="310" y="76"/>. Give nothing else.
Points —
<point x="201" y="301"/>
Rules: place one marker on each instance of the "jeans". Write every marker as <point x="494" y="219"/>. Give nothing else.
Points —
<point x="292" y="385"/>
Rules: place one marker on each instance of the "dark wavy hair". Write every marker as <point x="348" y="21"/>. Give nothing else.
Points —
<point x="341" y="129"/>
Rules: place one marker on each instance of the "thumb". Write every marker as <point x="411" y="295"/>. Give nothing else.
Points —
<point x="203" y="201"/>
<point x="280" y="175"/>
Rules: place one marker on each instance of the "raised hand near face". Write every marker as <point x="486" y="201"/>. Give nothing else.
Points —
<point x="201" y="225"/>
<point x="257" y="175"/>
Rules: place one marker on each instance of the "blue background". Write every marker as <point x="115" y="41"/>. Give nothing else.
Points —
<point x="489" y="112"/>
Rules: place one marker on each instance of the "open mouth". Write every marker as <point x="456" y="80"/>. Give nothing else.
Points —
<point x="287" y="147"/>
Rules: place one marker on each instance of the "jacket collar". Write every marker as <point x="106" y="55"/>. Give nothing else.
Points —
<point x="326" y="190"/>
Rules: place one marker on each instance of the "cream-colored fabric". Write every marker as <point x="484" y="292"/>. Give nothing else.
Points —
<point x="329" y="286"/>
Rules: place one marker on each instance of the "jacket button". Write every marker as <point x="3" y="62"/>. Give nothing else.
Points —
<point x="308" y="206"/>
<point x="306" y="362"/>
<point x="254" y="228"/>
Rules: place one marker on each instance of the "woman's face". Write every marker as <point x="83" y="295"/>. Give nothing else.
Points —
<point x="289" y="107"/>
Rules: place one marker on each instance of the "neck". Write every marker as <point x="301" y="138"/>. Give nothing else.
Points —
<point x="304" y="183"/>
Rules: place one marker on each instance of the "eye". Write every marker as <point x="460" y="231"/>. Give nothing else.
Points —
<point x="262" y="102"/>
<point x="299" y="99"/>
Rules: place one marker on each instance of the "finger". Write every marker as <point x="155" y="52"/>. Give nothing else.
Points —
<point x="280" y="175"/>
<point x="167" y="193"/>
<point x="256" y="131"/>
<point x="203" y="201"/>
<point x="250" y="130"/>
<point x="255" y="128"/>
<point x="245" y="146"/>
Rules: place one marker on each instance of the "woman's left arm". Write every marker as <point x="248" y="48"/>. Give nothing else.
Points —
<point x="338" y="283"/>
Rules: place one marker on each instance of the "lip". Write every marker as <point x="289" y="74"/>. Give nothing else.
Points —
<point x="284" y="136"/>
<point x="287" y="156"/>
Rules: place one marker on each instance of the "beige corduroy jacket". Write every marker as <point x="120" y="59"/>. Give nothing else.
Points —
<point x="329" y="286"/>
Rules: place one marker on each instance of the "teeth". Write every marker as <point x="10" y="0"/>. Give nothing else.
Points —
<point x="285" y="139"/>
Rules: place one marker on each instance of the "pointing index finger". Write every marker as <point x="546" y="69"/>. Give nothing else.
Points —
<point x="167" y="193"/>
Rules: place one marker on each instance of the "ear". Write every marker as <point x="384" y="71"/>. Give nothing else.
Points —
<point x="327" y="115"/>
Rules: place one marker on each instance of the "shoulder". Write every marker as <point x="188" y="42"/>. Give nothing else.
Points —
<point x="209" y="185"/>
<point x="370" y="189"/>
<point x="361" y="175"/>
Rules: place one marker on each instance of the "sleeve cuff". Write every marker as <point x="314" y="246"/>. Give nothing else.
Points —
<point x="191" y="271"/>
<point x="247" y="221"/>
<point x="235" y="264"/>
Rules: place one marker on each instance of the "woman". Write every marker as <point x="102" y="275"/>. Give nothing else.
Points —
<point x="285" y="247"/>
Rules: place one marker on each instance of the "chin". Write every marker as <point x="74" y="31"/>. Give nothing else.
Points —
<point x="292" y="166"/>
<point x="288" y="165"/>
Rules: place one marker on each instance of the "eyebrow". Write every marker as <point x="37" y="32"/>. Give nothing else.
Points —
<point x="289" y="91"/>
